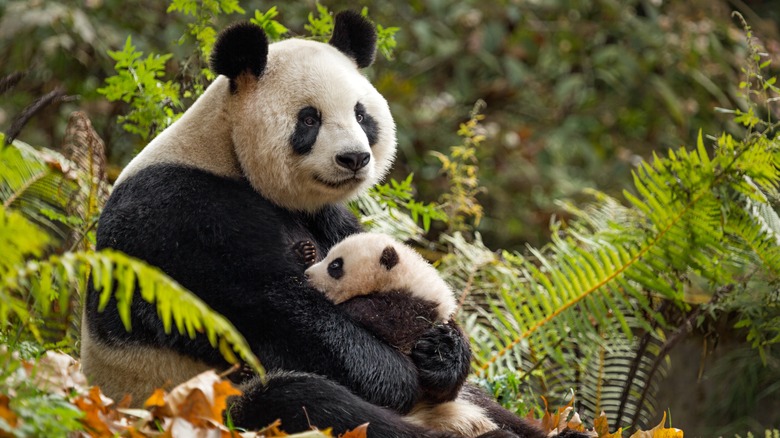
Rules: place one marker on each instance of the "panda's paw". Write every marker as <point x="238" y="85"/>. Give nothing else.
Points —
<point x="306" y="253"/>
<point x="442" y="357"/>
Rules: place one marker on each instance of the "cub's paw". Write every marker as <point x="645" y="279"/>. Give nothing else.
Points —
<point x="306" y="252"/>
<point x="442" y="357"/>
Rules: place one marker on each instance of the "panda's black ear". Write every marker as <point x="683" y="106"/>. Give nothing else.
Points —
<point x="240" y="48"/>
<point x="389" y="258"/>
<point x="354" y="36"/>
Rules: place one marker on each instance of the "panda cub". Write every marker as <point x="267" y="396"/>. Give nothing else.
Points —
<point x="391" y="290"/>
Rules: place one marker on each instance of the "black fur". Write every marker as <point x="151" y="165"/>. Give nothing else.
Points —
<point x="230" y="246"/>
<point x="369" y="125"/>
<point x="442" y="370"/>
<point x="311" y="400"/>
<point x="240" y="48"/>
<point x="507" y="420"/>
<point x="389" y="258"/>
<point x="395" y="317"/>
<point x="336" y="268"/>
<point x="354" y="36"/>
<point x="306" y="129"/>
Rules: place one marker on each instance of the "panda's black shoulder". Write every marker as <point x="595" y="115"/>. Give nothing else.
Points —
<point x="165" y="208"/>
<point x="174" y="182"/>
<point x="167" y="204"/>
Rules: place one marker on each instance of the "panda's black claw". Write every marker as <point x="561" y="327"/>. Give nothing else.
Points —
<point x="306" y="252"/>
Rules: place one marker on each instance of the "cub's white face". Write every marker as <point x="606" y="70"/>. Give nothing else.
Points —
<point x="355" y="267"/>
<point x="367" y="263"/>
<point x="311" y="130"/>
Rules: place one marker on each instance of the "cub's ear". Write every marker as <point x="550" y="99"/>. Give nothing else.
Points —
<point x="240" y="48"/>
<point x="354" y="36"/>
<point x="389" y="258"/>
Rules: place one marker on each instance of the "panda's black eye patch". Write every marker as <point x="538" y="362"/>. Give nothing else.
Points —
<point x="306" y="129"/>
<point x="368" y="123"/>
<point x="336" y="268"/>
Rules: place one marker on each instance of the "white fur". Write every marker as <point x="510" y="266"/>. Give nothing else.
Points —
<point x="364" y="275"/>
<point x="200" y="138"/>
<point x="247" y="134"/>
<point x="459" y="416"/>
<point x="136" y="371"/>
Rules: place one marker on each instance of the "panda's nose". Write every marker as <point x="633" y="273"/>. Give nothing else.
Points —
<point x="353" y="161"/>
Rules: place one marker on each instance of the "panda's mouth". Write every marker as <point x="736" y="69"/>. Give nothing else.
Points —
<point x="341" y="184"/>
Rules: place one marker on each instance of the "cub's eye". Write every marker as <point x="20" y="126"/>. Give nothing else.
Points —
<point x="336" y="268"/>
<point x="360" y="118"/>
<point x="310" y="121"/>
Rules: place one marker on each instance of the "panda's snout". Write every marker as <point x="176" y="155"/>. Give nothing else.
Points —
<point x="353" y="161"/>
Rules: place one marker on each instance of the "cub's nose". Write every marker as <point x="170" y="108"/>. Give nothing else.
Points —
<point x="353" y="161"/>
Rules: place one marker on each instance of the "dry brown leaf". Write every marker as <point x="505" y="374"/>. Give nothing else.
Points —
<point x="7" y="414"/>
<point x="204" y="382"/>
<point x="358" y="432"/>
<point x="272" y="430"/>
<point x="157" y="399"/>
<point x="58" y="373"/>
<point x="601" y="426"/>
<point x="575" y="423"/>
<point x="94" y="413"/>
<point x="659" y="431"/>
<point x="222" y="390"/>
<point x="196" y="408"/>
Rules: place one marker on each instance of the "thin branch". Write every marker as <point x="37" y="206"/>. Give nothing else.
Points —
<point x="10" y="81"/>
<point x="644" y="343"/>
<point x="54" y="96"/>
<point x="682" y="331"/>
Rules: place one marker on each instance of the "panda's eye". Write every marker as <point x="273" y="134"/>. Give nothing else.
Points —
<point x="360" y="118"/>
<point x="336" y="268"/>
<point x="310" y="121"/>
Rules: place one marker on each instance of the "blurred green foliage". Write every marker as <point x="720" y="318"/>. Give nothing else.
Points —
<point x="576" y="91"/>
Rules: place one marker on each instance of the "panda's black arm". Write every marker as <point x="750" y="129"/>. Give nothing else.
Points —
<point x="306" y="332"/>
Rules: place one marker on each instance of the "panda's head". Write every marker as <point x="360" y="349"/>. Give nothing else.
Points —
<point x="308" y="128"/>
<point x="367" y="263"/>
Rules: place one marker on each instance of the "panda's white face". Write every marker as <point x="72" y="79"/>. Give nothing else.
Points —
<point x="311" y="130"/>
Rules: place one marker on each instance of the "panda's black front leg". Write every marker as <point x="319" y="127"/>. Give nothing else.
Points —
<point x="305" y="252"/>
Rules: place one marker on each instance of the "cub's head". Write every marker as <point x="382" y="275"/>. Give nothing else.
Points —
<point x="308" y="128"/>
<point x="367" y="263"/>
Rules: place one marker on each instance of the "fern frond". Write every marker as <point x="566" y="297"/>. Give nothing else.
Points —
<point x="579" y="302"/>
<point x="35" y="183"/>
<point x="382" y="218"/>
<point x="680" y="230"/>
<point x="86" y="150"/>
<point x="38" y="284"/>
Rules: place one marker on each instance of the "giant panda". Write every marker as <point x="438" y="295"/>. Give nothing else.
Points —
<point x="266" y="157"/>
<point x="390" y="289"/>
